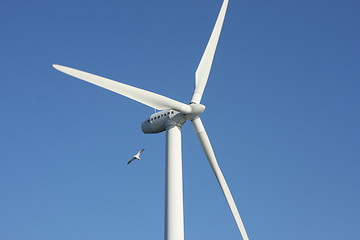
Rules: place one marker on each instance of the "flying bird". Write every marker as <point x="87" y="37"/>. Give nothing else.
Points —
<point x="137" y="156"/>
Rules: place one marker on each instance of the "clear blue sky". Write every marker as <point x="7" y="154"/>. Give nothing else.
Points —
<point x="282" y="113"/>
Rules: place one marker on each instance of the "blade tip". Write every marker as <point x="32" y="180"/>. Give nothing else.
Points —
<point x="61" y="68"/>
<point x="56" y="66"/>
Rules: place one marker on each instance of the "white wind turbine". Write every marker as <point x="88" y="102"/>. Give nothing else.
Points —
<point x="173" y="115"/>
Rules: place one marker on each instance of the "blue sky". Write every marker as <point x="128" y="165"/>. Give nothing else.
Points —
<point x="282" y="114"/>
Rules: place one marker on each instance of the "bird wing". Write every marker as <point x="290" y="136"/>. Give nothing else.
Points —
<point x="138" y="154"/>
<point x="131" y="160"/>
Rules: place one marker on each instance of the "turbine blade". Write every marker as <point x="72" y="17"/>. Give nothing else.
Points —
<point x="206" y="145"/>
<point x="150" y="99"/>
<point x="203" y="70"/>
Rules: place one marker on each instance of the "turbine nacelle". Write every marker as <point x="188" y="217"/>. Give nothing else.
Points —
<point x="158" y="122"/>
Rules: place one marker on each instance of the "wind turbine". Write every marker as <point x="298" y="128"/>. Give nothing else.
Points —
<point x="172" y="116"/>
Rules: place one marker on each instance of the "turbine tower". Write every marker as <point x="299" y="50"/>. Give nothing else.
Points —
<point x="172" y="116"/>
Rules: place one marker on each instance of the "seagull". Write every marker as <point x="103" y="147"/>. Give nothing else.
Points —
<point x="137" y="156"/>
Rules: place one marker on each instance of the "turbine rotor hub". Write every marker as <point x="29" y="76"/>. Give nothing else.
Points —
<point x="196" y="110"/>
